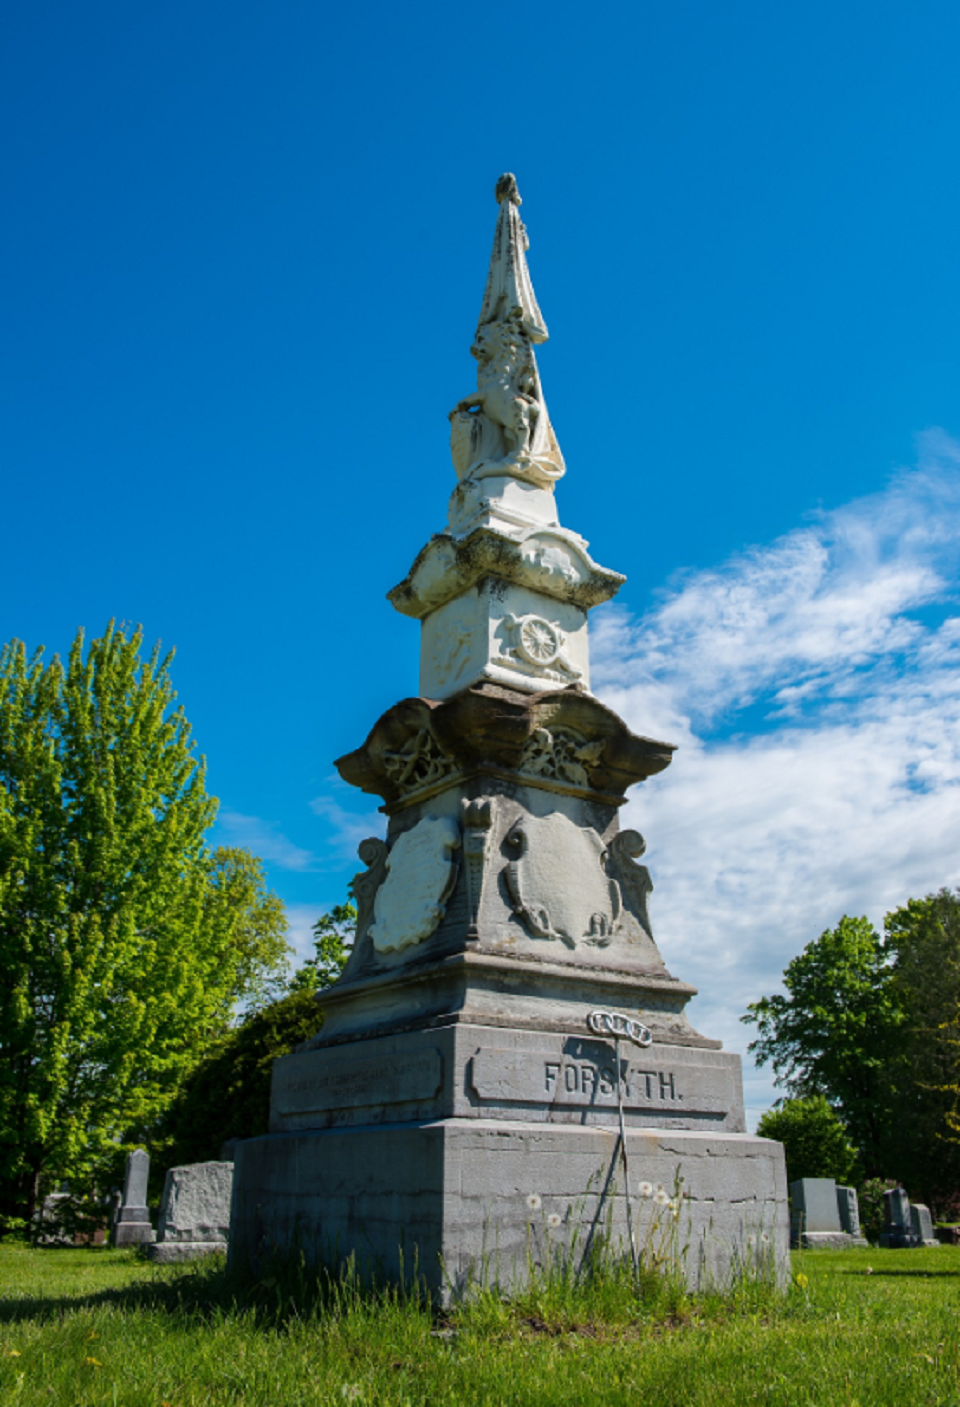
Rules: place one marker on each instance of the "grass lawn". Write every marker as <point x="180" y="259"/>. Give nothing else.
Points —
<point x="100" y="1326"/>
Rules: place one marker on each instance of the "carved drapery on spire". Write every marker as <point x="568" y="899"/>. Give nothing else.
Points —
<point x="504" y="428"/>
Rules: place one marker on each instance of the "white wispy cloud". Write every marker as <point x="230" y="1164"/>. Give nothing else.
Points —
<point x="347" y="828"/>
<point x="264" y="839"/>
<point x="814" y="688"/>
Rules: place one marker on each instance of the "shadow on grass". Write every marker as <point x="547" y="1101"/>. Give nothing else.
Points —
<point x="206" y="1290"/>
<point x="905" y="1274"/>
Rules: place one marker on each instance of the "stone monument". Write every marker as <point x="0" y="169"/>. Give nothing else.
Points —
<point x="848" y="1205"/>
<point x="463" y="1090"/>
<point x="194" y="1212"/>
<point x="132" y="1225"/>
<point x="898" y="1230"/>
<point x="824" y="1215"/>
<point x="921" y="1224"/>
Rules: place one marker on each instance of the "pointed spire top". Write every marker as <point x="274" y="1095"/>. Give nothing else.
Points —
<point x="509" y="291"/>
<point x="507" y="189"/>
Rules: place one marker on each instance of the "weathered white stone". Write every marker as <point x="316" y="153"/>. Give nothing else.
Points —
<point x="132" y="1226"/>
<point x="507" y="634"/>
<point x="420" y="875"/>
<point x="194" y="1211"/>
<point x="452" y="1198"/>
<point x="503" y="427"/>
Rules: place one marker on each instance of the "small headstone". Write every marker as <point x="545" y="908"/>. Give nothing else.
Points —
<point x="898" y="1229"/>
<point x="132" y="1226"/>
<point x="815" y="1215"/>
<point x="194" y="1212"/>
<point x="849" y="1208"/>
<point x="921" y="1223"/>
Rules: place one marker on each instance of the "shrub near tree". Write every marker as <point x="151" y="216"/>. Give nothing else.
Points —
<point x="815" y="1142"/>
<point x="228" y="1095"/>
<point x="124" y="944"/>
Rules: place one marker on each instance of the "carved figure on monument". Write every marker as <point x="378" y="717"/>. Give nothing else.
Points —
<point x="503" y="428"/>
<point x="421" y="873"/>
<point x="373" y="852"/>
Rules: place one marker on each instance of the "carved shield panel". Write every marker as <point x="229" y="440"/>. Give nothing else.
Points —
<point x="558" y="883"/>
<point x="421" y="874"/>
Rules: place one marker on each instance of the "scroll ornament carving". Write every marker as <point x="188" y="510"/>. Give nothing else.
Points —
<point x="418" y="763"/>
<point x="560" y="755"/>
<point x="503" y="428"/>
<point x="622" y="853"/>
<point x="477" y="821"/>
<point x="537" y="646"/>
<point x="557" y="883"/>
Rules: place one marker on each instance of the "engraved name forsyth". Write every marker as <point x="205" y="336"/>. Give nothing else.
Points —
<point x="648" y="1084"/>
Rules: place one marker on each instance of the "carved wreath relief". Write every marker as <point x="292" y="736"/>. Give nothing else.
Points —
<point x="537" y="647"/>
<point x="420" y="875"/>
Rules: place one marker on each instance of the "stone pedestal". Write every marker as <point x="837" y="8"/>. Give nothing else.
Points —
<point x="455" y="1076"/>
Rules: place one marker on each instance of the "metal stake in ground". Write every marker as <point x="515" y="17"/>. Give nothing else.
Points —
<point x="612" y="1023"/>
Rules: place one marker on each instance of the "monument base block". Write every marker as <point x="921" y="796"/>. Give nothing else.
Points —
<point x="468" y="1200"/>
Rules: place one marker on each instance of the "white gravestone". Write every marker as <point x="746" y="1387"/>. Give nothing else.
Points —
<point x="194" y="1212"/>
<point x="132" y="1226"/>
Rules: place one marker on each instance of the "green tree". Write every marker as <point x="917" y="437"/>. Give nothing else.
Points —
<point x="924" y="938"/>
<point x="123" y="943"/>
<point x="815" y="1142"/>
<point x="228" y="1095"/>
<point x="334" y="934"/>
<point x="835" y="1031"/>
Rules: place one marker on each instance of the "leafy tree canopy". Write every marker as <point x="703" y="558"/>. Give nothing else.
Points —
<point x="834" y="1032"/>
<point x="123" y="943"/>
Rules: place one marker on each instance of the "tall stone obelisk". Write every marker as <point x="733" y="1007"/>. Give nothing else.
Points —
<point x="461" y="1083"/>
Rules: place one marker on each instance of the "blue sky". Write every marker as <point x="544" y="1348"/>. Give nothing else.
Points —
<point x="243" y="255"/>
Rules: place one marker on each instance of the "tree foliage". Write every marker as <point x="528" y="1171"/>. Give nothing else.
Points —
<point x="333" y="936"/>
<point x="815" y="1142"/>
<point x="923" y="938"/>
<point x="123" y="943"/>
<point x="834" y="1032"/>
<point x="228" y="1095"/>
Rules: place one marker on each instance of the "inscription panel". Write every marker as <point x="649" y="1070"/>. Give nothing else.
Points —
<point x="335" y="1081"/>
<point x="648" y="1083"/>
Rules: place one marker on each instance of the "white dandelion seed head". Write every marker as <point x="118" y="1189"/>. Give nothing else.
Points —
<point x="751" y="1242"/>
<point x="554" y="1220"/>
<point x="534" y="1201"/>
<point x="645" y="1189"/>
<point x="660" y="1198"/>
<point x="765" y="1238"/>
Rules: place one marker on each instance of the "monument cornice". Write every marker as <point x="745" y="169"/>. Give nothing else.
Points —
<point x="566" y="738"/>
